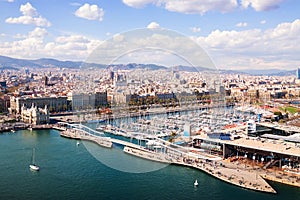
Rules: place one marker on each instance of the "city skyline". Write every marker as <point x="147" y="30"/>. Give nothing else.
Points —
<point x="236" y="34"/>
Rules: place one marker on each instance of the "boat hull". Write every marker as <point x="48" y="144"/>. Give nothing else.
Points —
<point x="34" y="167"/>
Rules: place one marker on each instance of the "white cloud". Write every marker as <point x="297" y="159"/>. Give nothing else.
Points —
<point x="28" y="46"/>
<point x="274" y="47"/>
<point x="30" y="16"/>
<point x="263" y="21"/>
<point x="10" y="1"/>
<point x="153" y="25"/>
<point x="261" y="5"/>
<point x="38" y="33"/>
<point x="200" y="7"/>
<point x="37" y="21"/>
<point x="28" y="10"/>
<point x="71" y="47"/>
<point x="138" y="3"/>
<point x="141" y="43"/>
<point x="229" y="39"/>
<point x="19" y="36"/>
<point x="195" y="29"/>
<point x="204" y="6"/>
<point x="241" y="24"/>
<point x="286" y="31"/>
<point x="75" y="4"/>
<point x="90" y="12"/>
<point x="118" y="38"/>
<point x="251" y="48"/>
<point x="35" y="45"/>
<point x="188" y="7"/>
<point x="71" y="39"/>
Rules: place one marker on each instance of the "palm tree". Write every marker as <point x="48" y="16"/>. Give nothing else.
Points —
<point x="172" y="136"/>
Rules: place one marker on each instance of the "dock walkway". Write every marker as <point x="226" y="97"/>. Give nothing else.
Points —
<point x="81" y="135"/>
<point x="239" y="177"/>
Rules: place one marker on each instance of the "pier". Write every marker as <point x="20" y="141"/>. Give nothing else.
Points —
<point x="79" y="132"/>
<point x="159" y="150"/>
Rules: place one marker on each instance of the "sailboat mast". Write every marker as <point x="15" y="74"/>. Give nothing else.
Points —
<point x="33" y="152"/>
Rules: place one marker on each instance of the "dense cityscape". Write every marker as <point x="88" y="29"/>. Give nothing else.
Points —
<point x="68" y="90"/>
<point x="150" y="99"/>
<point x="232" y="115"/>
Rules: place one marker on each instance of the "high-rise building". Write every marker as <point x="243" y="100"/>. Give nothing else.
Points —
<point x="46" y="80"/>
<point x="111" y="75"/>
<point x="298" y="73"/>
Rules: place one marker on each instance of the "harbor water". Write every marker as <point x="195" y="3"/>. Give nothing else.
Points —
<point x="69" y="171"/>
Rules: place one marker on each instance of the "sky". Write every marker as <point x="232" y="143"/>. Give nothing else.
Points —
<point x="235" y="34"/>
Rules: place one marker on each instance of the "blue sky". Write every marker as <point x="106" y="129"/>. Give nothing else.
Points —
<point x="236" y="34"/>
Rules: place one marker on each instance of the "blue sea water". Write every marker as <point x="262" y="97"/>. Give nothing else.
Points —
<point x="69" y="171"/>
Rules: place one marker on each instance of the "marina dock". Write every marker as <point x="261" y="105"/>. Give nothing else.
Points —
<point x="213" y="165"/>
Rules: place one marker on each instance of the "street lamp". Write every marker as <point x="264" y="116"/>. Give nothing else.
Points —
<point x="253" y="158"/>
<point x="245" y="156"/>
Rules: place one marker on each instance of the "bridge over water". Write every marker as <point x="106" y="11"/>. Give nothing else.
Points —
<point x="155" y="145"/>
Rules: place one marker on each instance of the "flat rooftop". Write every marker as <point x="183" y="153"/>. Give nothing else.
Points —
<point x="291" y="138"/>
<point x="275" y="146"/>
<point x="282" y="127"/>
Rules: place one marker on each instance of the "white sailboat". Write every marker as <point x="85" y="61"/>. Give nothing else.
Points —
<point x="196" y="183"/>
<point x="33" y="166"/>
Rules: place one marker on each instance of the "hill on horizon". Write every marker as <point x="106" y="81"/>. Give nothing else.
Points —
<point x="16" y="64"/>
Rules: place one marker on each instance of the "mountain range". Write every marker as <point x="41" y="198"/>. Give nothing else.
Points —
<point x="16" y="64"/>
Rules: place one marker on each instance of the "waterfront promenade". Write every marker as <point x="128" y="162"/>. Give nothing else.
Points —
<point x="242" y="178"/>
<point x="274" y="174"/>
<point x="248" y="179"/>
